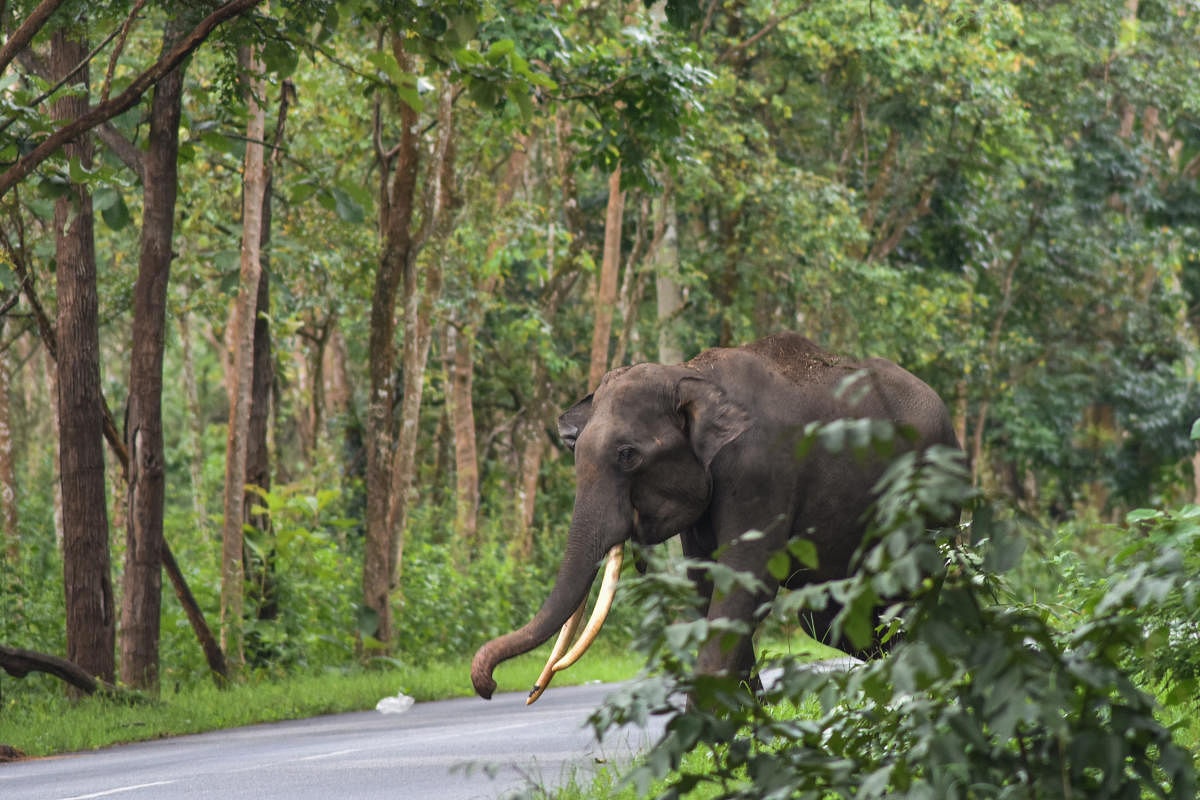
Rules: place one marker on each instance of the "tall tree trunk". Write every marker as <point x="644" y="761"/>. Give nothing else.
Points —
<point x="141" y="597"/>
<point x="669" y="293"/>
<point x="440" y="201"/>
<point x="606" y="288"/>
<point x="10" y="536"/>
<point x="52" y="382"/>
<point x="633" y="286"/>
<point x="261" y="568"/>
<point x="91" y="618"/>
<point x="195" y="447"/>
<point x="337" y="376"/>
<point x="533" y="447"/>
<point x="461" y="362"/>
<point x="397" y="198"/>
<point x="253" y="192"/>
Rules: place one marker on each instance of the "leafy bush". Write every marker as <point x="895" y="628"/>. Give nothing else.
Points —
<point x="978" y="699"/>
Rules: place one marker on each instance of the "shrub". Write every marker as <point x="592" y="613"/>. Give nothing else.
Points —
<point x="978" y="699"/>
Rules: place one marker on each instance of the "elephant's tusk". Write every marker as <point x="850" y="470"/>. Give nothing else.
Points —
<point x="560" y="646"/>
<point x="612" y="571"/>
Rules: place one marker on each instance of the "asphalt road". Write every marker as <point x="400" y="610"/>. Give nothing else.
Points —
<point x="451" y="750"/>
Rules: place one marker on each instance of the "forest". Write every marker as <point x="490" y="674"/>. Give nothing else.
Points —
<point x="292" y="294"/>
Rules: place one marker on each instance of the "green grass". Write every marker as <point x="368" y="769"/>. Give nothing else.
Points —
<point x="606" y="783"/>
<point x="39" y="720"/>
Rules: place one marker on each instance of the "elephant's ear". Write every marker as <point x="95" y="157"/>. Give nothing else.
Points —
<point x="711" y="419"/>
<point x="572" y="421"/>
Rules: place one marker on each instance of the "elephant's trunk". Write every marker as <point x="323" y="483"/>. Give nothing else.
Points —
<point x="578" y="570"/>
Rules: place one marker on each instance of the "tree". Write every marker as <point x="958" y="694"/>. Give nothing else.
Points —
<point x="90" y="118"/>
<point x="606" y="283"/>
<point x="91" y="617"/>
<point x="10" y="536"/>
<point x="254" y="180"/>
<point x="397" y="197"/>
<point x="142" y="579"/>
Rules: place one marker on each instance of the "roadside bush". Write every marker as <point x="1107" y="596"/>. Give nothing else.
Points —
<point x="979" y="699"/>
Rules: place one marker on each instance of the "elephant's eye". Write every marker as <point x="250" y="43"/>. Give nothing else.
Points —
<point x="628" y="457"/>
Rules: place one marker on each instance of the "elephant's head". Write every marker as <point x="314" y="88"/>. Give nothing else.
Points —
<point x="644" y="443"/>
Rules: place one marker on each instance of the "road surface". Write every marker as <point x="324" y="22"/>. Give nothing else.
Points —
<point x="448" y="750"/>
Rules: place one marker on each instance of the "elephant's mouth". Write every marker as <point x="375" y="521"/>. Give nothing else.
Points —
<point x="561" y="657"/>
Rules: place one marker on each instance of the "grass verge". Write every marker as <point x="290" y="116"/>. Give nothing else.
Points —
<point x="39" y="720"/>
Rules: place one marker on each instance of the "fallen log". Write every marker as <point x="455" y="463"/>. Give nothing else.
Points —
<point x="19" y="662"/>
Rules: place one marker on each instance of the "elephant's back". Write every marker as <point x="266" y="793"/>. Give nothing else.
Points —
<point x="790" y="356"/>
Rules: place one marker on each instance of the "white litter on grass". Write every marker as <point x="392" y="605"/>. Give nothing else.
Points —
<point x="394" y="705"/>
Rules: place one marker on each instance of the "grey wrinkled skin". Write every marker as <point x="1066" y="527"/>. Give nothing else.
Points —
<point x="706" y="450"/>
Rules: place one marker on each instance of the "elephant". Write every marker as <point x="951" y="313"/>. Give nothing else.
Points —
<point x="707" y="450"/>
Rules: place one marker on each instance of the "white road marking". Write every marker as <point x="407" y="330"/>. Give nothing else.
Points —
<point x="329" y="755"/>
<point x="118" y="790"/>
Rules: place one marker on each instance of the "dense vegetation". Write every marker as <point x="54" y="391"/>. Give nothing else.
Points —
<point x="391" y="240"/>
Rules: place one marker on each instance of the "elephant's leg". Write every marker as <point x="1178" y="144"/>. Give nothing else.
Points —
<point x="733" y="654"/>
<point x="694" y="549"/>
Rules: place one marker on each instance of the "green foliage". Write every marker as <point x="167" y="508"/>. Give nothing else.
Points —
<point x="977" y="699"/>
<point x="303" y="573"/>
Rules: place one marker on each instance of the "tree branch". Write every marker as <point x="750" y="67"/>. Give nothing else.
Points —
<point x="25" y="33"/>
<point x="125" y="151"/>
<point x="19" y="663"/>
<point x="127" y="99"/>
<point x="116" y="53"/>
<point x="771" y="25"/>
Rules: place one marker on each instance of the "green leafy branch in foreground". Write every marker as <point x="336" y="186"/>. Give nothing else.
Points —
<point x="976" y="700"/>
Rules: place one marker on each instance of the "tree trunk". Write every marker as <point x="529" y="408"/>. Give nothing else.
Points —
<point x="195" y="446"/>
<point x="440" y="201"/>
<point x="261" y="567"/>
<point x="533" y="447"/>
<point x="253" y="189"/>
<point x="337" y="375"/>
<point x="91" y="618"/>
<point x="397" y="198"/>
<point x="52" y="382"/>
<point x="633" y="286"/>
<point x="141" y="598"/>
<point x="669" y="293"/>
<point x="460" y="358"/>
<point x="606" y="289"/>
<point x="10" y="537"/>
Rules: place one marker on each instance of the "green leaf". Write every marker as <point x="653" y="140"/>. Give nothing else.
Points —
<point x="779" y="565"/>
<point x="1141" y="515"/>
<point x="346" y="207"/>
<point x="105" y="198"/>
<point x="77" y="171"/>
<point x="303" y="192"/>
<point x="411" y="97"/>
<point x="804" y="551"/>
<point x="218" y="141"/>
<point x="280" y="57"/>
<point x="116" y="214"/>
<point x="499" y="50"/>
<point x="1196" y="430"/>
